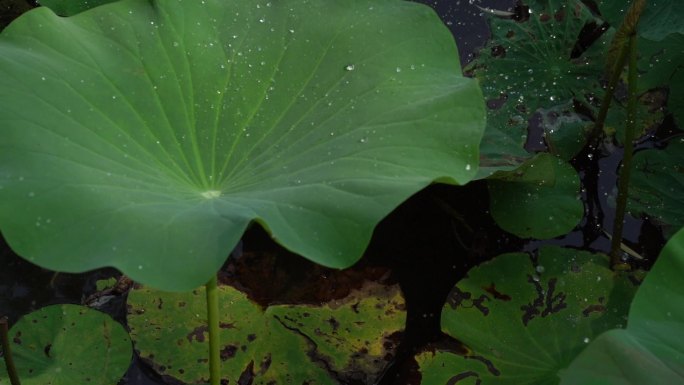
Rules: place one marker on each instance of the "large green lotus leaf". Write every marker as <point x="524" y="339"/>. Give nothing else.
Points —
<point x="651" y="349"/>
<point x="525" y="320"/>
<point x="347" y="339"/>
<point x="66" y="345"/>
<point x="540" y="199"/>
<point x="527" y="66"/>
<point x="147" y="135"/>
<point x="72" y="7"/>
<point x="660" y="18"/>
<point x="657" y="186"/>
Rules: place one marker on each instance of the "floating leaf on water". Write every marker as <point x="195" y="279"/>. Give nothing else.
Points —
<point x="657" y="186"/>
<point x="529" y="65"/>
<point x="651" y="349"/>
<point x="347" y="339"/>
<point x="67" y="345"/>
<point x="520" y="326"/>
<point x="537" y="200"/>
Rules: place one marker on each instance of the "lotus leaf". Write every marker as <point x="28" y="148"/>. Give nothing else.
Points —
<point x="661" y="48"/>
<point x="657" y="185"/>
<point x="660" y="19"/>
<point x="67" y="345"/>
<point x="345" y="339"/>
<point x="565" y="131"/>
<point x="651" y="349"/>
<point x="676" y="101"/>
<point x="538" y="200"/>
<point x="72" y="7"/>
<point x="528" y="65"/>
<point x="659" y="61"/>
<point x="525" y="318"/>
<point x="147" y="135"/>
<point x="649" y="115"/>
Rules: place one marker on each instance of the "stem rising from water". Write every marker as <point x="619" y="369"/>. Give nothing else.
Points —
<point x="214" y="331"/>
<point x="625" y="167"/>
<point x="7" y="353"/>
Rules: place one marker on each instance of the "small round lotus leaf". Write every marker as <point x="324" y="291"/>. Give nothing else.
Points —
<point x="67" y="345"/>
<point x="540" y="199"/>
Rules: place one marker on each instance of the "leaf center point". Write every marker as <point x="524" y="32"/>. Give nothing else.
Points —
<point x="211" y="194"/>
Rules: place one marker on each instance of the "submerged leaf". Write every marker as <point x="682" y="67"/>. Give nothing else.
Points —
<point x="523" y="320"/>
<point x="347" y="339"/>
<point x="147" y="135"/>
<point x="67" y="345"/>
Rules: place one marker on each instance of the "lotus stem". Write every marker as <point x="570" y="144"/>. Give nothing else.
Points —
<point x="597" y="131"/>
<point x="214" y="331"/>
<point x="617" y="58"/>
<point x="9" y="361"/>
<point x="625" y="167"/>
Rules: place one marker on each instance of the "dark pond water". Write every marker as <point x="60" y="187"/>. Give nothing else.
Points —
<point x="423" y="245"/>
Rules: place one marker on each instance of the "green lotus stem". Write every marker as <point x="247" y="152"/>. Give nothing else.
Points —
<point x="9" y="361"/>
<point x="625" y="167"/>
<point x="617" y="58"/>
<point x="214" y="338"/>
<point x="597" y="131"/>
